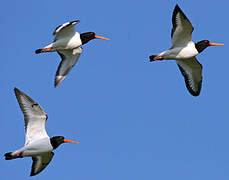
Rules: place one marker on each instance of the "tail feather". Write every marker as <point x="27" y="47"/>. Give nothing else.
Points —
<point x="45" y="49"/>
<point x="8" y="156"/>
<point x="13" y="155"/>
<point x="38" y="51"/>
<point x="152" y="58"/>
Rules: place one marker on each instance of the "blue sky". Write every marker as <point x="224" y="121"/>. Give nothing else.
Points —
<point x="135" y="119"/>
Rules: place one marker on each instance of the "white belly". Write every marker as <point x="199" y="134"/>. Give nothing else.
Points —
<point x="37" y="147"/>
<point x="186" y="52"/>
<point x="68" y="43"/>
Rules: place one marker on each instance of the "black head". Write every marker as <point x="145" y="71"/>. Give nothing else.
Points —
<point x="201" y="45"/>
<point x="58" y="140"/>
<point x="85" y="37"/>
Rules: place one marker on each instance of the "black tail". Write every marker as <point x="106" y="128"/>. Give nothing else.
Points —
<point x="8" y="156"/>
<point x="38" y="51"/>
<point x="152" y="58"/>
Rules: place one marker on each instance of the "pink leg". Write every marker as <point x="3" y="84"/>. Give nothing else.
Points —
<point x="158" y="58"/>
<point x="46" y="49"/>
<point x="43" y="50"/>
<point x="18" y="155"/>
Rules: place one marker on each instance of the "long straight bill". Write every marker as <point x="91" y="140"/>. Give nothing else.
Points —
<point x="215" y="44"/>
<point x="69" y="141"/>
<point x="100" y="37"/>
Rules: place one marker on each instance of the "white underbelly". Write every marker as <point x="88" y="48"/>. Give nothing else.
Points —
<point x="37" y="147"/>
<point x="67" y="43"/>
<point x="186" y="52"/>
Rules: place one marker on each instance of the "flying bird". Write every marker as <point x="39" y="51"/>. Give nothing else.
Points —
<point x="67" y="43"/>
<point x="184" y="51"/>
<point x="38" y="144"/>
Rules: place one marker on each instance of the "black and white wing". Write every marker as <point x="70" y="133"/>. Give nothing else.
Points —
<point x="182" y="28"/>
<point x="191" y="69"/>
<point x="65" y="30"/>
<point x="69" y="58"/>
<point x="34" y="116"/>
<point x="40" y="162"/>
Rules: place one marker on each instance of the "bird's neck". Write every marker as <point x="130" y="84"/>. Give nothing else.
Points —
<point x="54" y="143"/>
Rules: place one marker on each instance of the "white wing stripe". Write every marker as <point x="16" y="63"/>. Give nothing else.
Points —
<point x="69" y="59"/>
<point x="61" y="27"/>
<point x="191" y="69"/>
<point x="182" y="28"/>
<point x="65" y="31"/>
<point x="34" y="116"/>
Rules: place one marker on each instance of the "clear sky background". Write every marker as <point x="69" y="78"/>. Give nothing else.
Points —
<point x="136" y="120"/>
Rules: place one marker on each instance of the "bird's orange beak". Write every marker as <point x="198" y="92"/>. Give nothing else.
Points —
<point x="215" y="44"/>
<point x="69" y="141"/>
<point x="100" y="37"/>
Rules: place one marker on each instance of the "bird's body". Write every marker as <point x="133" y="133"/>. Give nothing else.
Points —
<point x="35" y="148"/>
<point x="67" y="43"/>
<point x="184" y="51"/>
<point x="38" y="144"/>
<point x="180" y="53"/>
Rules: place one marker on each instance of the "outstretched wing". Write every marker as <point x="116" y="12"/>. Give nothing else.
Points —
<point x="65" y="30"/>
<point x="191" y="69"/>
<point x="40" y="162"/>
<point x="34" y="116"/>
<point x="69" y="59"/>
<point x="182" y="28"/>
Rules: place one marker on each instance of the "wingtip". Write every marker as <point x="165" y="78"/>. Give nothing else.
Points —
<point x="17" y="91"/>
<point x="32" y="174"/>
<point x="76" y="21"/>
<point x="193" y="93"/>
<point x="177" y="9"/>
<point x="58" y="80"/>
<point x="56" y="83"/>
<point x="177" y="6"/>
